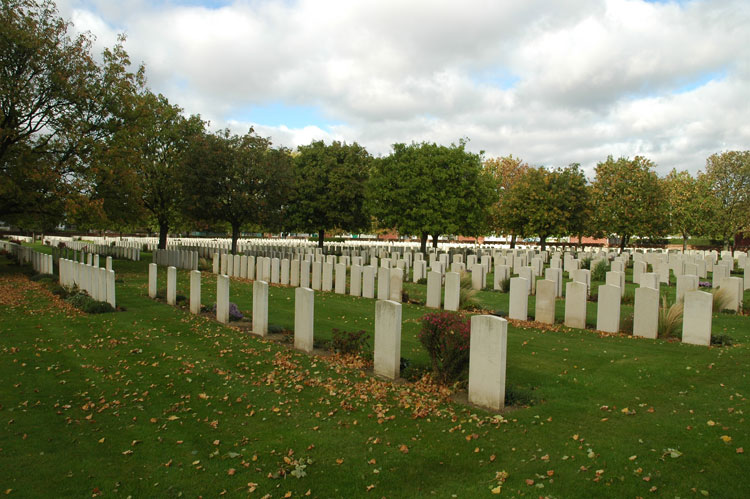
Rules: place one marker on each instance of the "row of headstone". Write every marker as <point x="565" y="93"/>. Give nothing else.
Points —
<point x="181" y="259"/>
<point x="98" y="282"/>
<point x="42" y="263"/>
<point x="125" y="251"/>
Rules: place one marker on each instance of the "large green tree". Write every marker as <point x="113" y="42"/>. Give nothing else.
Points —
<point x="155" y="146"/>
<point x="690" y="203"/>
<point x="728" y="177"/>
<point x="429" y="189"/>
<point x="628" y="199"/>
<point x="54" y="106"/>
<point x="505" y="216"/>
<point x="329" y="188"/>
<point x="550" y="202"/>
<point x="240" y="180"/>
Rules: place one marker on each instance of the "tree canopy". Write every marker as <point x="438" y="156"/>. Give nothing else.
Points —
<point x="240" y="180"/>
<point x="628" y="199"/>
<point x="728" y="177"/>
<point x="329" y="188"/>
<point x="429" y="189"/>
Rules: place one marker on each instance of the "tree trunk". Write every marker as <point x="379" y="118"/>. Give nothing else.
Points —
<point x="684" y="242"/>
<point x="235" y="236"/>
<point x="623" y="242"/>
<point x="435" y="240"/>
<point x="163" y="230"/>
<point x="321" y="236"/>
<point x="423" y="243"/>
<point x="512" y="241"/>
<point x="543" y="241"/>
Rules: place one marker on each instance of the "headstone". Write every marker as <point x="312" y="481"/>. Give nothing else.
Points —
<point x="195" y="292"/>
<point x="519" y="299"/>
<point x="327" y="280"/>
<point x="555" y="274"/>
<point x="685" y="283"/>
<point x="304" y="274"/>
<point x="396" y="285"/>
<point x="222" y="298"/>
<point x="294" y="273"/>
<point x="317" y="273"/>
<point x="545" y="301"/>
<point x="696" y="318"/>
<point x="487" y="361"/>
<point x="434" y="289"/>
<point x="639" y="268"/>
<point x="304" y="318"/>
<point x="646" y="312"/>
<point x="284" y="279"/>
<point x="152" y="270"/>
<point x="340" y="287"/>
<point x="452" y="291"/>
<point x="171" y="285"/>
<point x="355" y="281"/>
<point x="477" y="276"/>
<point x="502" y="272"/>
<point x="734" y="287"/>
<point x="650" y="280"/>
<point x="368" y="282"/>
<point x="616" y="278"/>
<point x="260" y="308"/>
<point x="387" y="355"/>
<point x="384" y="283"/>
<point x="275" y="271"/>
<point x="608" y="309"/>
<point x="575" y="305"/>
<point x="111" y="288"/>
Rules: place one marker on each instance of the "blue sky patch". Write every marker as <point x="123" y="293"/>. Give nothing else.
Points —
<point x="278" y="113"/>
<point x="701" y="80"/>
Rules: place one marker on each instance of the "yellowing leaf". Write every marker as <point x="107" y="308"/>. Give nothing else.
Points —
<point x="726" y="438"/>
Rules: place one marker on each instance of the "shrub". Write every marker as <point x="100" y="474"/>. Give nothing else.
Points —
<point x="586" y="262"/>
<point x="234" y="311"/>
<point x="445" y="336"/>
<point x="349" y="342"/>
<point x="722" y="299"/>
<point x="422" y="281"/>
<point x="85" y="303"/>
<point x="505" y="285"/>
<point x="599" y="273"/>
<point x="626" y="324"/>
<point x="467" y="293"/>
<point x="670" y="318"/>
<point x="722" y="340"/>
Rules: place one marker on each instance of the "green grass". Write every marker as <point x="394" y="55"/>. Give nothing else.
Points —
<point x="171" y="388"/>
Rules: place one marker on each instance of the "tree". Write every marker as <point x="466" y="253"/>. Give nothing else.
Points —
<point x="240" y="180"/>
<point x="690" y="204"/>
<point x="728" y="177"/>
<point x="628" y="199"/>
<point x="53" y="107"/>
<point x="550" y="202"/>
<point x="428" y="189"/>
<point x="155" y="145"/>
<point x="329" y="188"/>
<point x="505" y="216"/>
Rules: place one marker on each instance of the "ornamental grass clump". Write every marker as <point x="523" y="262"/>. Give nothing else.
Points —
<point x="599" y="273"/>
<point x="445" y="336"/>
<point x="467" y="294"/>
<point x="670" y="318"/>
<point x="722" y="299"/>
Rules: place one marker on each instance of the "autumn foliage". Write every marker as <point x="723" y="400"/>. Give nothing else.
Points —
<point x="445" y="336"/>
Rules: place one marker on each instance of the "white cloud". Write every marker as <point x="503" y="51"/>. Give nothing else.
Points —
<point x="592" y="78"/>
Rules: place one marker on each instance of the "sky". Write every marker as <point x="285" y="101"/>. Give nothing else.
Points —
<point x="551" y="82"/>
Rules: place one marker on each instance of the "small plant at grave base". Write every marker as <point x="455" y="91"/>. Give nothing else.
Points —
<point x="467" y="298"/>
<point x="517" y="396"/>
<point x="704" y="284"/>
<point x="722" y="299"/>
<point x="670" y="319"/>
<point x="346" y="342"/>
<point x="422" y="281"/>
<point x="586" y="263"/>
<point x="722" y="340"/>
<point x="82" y="301"/>
<point x="629" y="297"/>
<point x="505" y="285"/>
<point x="234" y="312"/>
<point x="626" y="324"/>
<point x="445" y="336"/>
<point x="599" y="272"/>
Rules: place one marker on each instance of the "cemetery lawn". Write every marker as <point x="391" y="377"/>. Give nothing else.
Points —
<point x="152" y="401"/>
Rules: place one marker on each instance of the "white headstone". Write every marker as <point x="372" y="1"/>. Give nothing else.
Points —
<point x="304" y="318"/>
<point x="387" y="355"/>
<point x="487" y="361"/>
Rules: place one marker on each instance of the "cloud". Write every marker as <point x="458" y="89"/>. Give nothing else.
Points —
<point x="551" y="82"/>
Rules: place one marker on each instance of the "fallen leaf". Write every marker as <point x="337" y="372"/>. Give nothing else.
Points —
<point x="529" y="482"/>
<point x="726" y="438"/>
<point x="370" y="487"/>
<point x="403" y="448"/>
<point x="740" y="450"/>
<point x="497" y="489"/>
<point x="231" y="471"/>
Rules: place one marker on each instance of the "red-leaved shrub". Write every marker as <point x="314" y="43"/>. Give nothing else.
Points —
<point x="445" y="336"/>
